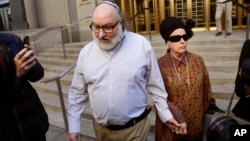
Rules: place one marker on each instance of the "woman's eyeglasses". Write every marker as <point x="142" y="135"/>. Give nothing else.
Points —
<point x="177" y="38"/>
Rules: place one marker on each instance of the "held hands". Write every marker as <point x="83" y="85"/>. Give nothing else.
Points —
<point x="176" y="127"/>
<point x="183" y="128"/>
<point x="74" y="137"/>
<point x="24" y="60"/>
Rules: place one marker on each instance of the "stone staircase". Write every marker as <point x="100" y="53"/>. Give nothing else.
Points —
<point x="220" y="56"/>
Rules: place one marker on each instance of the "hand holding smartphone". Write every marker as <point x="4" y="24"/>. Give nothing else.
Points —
<point x="26" y="40"/>
<point x="29" y="53"/>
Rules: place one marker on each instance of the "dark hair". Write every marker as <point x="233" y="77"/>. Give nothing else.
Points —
<point x="170" y="24"/>
<point x="7" y="69"/>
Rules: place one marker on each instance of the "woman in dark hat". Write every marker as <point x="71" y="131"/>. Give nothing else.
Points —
<point x="186" y="81"/>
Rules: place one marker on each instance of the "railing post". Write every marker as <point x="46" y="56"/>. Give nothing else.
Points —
<point x="149" y="18"/>
<point x="36" y="51"/>
<point x="57" y="78"/>
<point x="62" y="103"/>
<point x="63" y="41"/>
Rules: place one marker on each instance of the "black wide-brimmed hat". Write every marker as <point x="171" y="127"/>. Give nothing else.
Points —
<point x="170" y="24"/>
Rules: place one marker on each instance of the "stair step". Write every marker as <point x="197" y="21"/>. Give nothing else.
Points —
<point x="57" y="62"/>
<point x="50" y="88"/>
<point x="51" y="101"/>
<point x="221" y="63"/>
<point x="60" y="50"/>
<point x="57" y="69"/>
<point x="58" y="55"/>
<point x="65" y="80"/>
<point x="73" y="45"/>
<point x="56" y="119"/>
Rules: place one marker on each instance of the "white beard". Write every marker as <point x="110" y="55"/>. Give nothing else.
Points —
<point x="113" y="42"/>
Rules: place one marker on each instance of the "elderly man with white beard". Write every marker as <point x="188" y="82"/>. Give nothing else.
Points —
<point x="115" y="72"/>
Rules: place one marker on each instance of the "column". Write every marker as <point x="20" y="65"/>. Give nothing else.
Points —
<point x="18" y="15"/>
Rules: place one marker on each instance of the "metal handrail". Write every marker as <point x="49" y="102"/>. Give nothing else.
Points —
<point x="53" y="33"/>
<point x="60" y="30"/>
<point x="59" y="88"/>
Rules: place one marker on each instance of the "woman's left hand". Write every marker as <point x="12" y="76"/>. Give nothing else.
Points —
<point x="182" y="129"/>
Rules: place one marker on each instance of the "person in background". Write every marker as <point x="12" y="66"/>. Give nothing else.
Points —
<point x="226" y="7"/>
<point x="114" y="72"/>
<point x="186" y="81"/>
<point x="25" y="116"/>
<point x="242" y="83"/>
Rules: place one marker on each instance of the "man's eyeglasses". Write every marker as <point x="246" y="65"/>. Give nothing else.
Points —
<point x="177" y="38"/>
<point x="106" y="29"/>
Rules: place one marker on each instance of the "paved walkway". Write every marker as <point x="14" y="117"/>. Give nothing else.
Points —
<point x="58" y="134"/>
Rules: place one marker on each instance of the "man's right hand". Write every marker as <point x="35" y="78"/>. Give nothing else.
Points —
<point x="176" y="127"/>
<point x="74" y="137"/>
<point x="172" y="124"/>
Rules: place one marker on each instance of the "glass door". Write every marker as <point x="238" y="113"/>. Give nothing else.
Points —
<point x="187" y="9"/>
<point x="145" y="19"/>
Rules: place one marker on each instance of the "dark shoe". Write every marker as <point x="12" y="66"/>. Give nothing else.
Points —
<point x="228" y="33"/>
<point x="212" y="108"/>
<point x="218" y="34"/>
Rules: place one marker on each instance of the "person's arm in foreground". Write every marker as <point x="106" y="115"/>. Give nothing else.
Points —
<point x="27" y="66"/>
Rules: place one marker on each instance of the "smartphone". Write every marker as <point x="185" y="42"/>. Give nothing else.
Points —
<point x="26" y="40"/>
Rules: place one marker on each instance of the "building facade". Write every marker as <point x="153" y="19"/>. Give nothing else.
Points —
<point x="149" y="13"/>
<point x="143" y="16"/>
